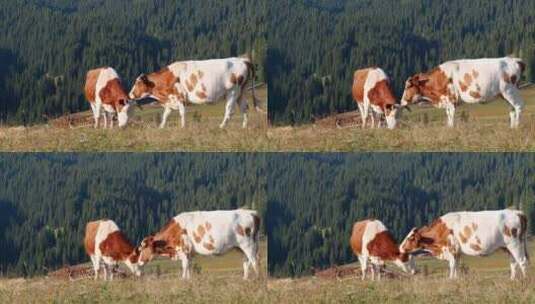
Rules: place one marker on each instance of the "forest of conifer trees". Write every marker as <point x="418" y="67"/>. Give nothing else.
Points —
<point x="314" y="46"/>
<point x="314" y="199"/>
<point x="46" y="199"/>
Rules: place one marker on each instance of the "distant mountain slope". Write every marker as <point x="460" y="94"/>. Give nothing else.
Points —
<point x="46" y="46"/>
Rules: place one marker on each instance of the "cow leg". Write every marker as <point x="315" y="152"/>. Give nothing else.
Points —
<point x="518" y="254"/>
<point x="185" y="265"/>
<point x="513" y="97"/>
<point x="246" y="265"/>
<point x="250" y="250"/>
<point x="166" y="112"/>
<point x="182" y="111"/>
<point x="513" y="266"/>
<point x="96" y="266"/>
<point x="363" y="114"/>
<point x="105" y="270"/>
<point x="453" y="268"/>
<point x="111" y="120"/>
<point x="96" y="114"/>
<point x="231" y="103"/>
<point x="363" y="261"/>
<point x="379" y="269"/>
<point x="177" y="104"/>
<point x="105" y="118"/>
<point x="244" y="107"/>
<point x="112" y="270"/>
<point x="450" y="113"/>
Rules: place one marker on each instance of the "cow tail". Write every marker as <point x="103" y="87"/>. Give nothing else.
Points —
<point x="252" y="72"/>
<point x="256" y="235"/>
<point x="524" y="227"/>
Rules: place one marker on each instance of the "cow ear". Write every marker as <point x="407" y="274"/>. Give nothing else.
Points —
<point x="159" y="245"/>
<point x="426" y="240"/>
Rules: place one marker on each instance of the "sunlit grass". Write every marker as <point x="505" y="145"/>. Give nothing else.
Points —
<point x="214" y="280"/>
<point x="202" y="132"/>
<point x="479" y="127"/>
<point x="485" y="280"/>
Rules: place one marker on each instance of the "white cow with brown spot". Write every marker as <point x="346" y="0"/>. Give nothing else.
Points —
<point x="106" y="244"/>
<point x="473" y="233"/>
<point x="198" y="82"/>
<point x="372" y="89"/>
<point x="372" y="242"/>
<point x="104" y="91"/>
<point x="470" y="81"/>
<point x="206" y="233"/>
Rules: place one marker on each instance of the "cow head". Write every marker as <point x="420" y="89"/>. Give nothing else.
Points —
<point x="392" y="113"/>
<point x="150" y="248"/>
<point x="124" y="109"/>
<point x="132" y="262"/>
<point x="406" y="263"/>
<point x="142" y="88"/>
<point x="411" y="242"/>
<point x="413" y="92"/>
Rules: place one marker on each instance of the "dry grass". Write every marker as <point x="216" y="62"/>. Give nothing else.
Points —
<point x="482" y="127"/>
<point x="486" y="281"/>
<point x="215" y="280"/>
<point x="202" y="133"/>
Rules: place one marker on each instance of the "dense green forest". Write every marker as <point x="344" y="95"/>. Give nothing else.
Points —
<point x="314" y="199"/>
<point x="46" y="199"/>
<point x="47" y="46"/>
<point x="314" y="46"/>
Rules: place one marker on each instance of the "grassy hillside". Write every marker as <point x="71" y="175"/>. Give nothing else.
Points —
<point x="215" y="279"/>
<point x="480" y="127"/>
<point x="202" y="132"/>
<point x="486" y="281"/>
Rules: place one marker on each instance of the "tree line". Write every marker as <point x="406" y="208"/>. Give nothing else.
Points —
<point x="47" y="46"/>
<point x="316" y="45"/>
<point x="47" y="199"/>
<point x="314" y="199"/>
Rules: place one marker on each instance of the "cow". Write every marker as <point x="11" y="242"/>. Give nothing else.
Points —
<point x="372" y="242"/>
<point x="198" y="82"/>
<point x="104" y="242"/>
<point x="104" y="91"/>
<point x="473" y="233"/>
<point x="470" y="81"/>
<point x="206" y="233"/>
<point x="372" y="89"/>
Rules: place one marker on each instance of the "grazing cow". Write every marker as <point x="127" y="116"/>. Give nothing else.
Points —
<point x="205" y="233"/>
<point x="198" y="82"/>
<point x="103" y="89"/>
<point x="371" y="88"/>
<point x="473" y="233"/>
<point x="471" y="81"/>
<point x="104" y="242"/>
<point x="371" y="241"/>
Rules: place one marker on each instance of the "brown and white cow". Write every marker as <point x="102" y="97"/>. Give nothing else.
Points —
<point x="471" y="81"/>
<point x="372" y="89"/>
<point x="104" y="91"/>
<point x="198" y="82"/>
<point x="473" y="233"/>
<point x="205" y="233"/>
<point x="372" y="242"/>
<point x="105" y="243"/>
